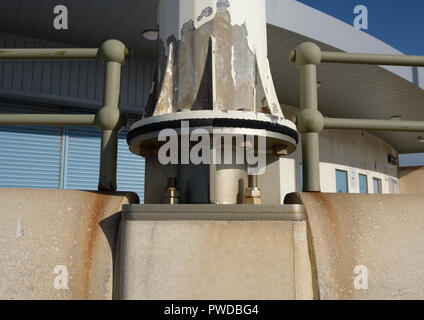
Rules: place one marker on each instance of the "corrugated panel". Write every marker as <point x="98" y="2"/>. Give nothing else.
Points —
<point x="70" y="80"/>
<point x="130" y="168"/>
<point x="81" y="165"/>
<point x="29" y="156"/>
<point x="32" y="157"/>
<point x="82" y="155"/>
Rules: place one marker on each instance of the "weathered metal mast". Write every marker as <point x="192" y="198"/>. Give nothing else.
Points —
<point x="213" y="72"/>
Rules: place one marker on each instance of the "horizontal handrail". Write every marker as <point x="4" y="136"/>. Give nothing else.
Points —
<point x="43" y="53"/>
<point x="310" y="122"/>
<point x="77" y="53"/>
<point x="371" y="124"/>
<point x="373" y="59"/>
<point x="108" y="119"/>
<point x="48" y="119"/>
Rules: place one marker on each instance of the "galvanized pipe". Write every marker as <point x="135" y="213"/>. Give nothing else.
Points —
<point x="108" y="160"/>
<point x="109" y="138"/>
<point x="53" y="53"/>
<point x="112" y="84"/>
<point x="373" y="59"/>
<point x="307" y="119"/>
<point x="308" y="87"/>
<point x="48" y="119"/>
<point x="310" y="122"/>
<point x="109" y="118"/>
<point x="310" y="162"/>
<point x="74" y="53"/>
<point x="368" y="124"/>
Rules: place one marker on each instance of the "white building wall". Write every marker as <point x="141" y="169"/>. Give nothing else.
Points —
<point x="354" y="151"/>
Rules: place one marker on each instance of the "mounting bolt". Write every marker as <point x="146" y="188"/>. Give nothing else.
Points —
<point x="252" y="193"/>
<point x="280" y="150"/>
<point x="171" y="194"/>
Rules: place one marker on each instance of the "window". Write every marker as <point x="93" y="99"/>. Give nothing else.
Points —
<point x="377" y="185"/>
<point x="341" y="181"/>
<point x="394" y="186"/>
<point x="363" y="183"/>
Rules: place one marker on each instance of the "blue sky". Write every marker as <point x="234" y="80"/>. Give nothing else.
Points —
<point x="396" y="22"/>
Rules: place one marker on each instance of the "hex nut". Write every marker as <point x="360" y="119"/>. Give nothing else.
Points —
<point x="253" y="201"/>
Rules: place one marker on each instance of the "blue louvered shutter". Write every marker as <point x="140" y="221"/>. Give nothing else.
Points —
<point x="30" y="157"/>
<point x="81" y="165"/>
<point x="82" y="155"/>
<point x="130" y="168"/>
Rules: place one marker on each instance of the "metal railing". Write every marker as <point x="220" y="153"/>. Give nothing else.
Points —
<point x="108" y="119"/>
<point x="310" y="122"/>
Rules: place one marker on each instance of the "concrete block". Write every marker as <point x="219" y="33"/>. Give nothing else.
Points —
<point x="72" y="233"/>
<point x="212" y="257"/>
<point x="365" y="246"/>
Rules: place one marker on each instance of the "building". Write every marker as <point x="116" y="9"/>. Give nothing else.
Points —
<point x="67" y="157"/>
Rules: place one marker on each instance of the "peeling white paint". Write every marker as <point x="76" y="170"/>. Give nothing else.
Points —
<point x="176" y="15"/>
<point x="233" y="71"/>
<point x="173" y="14"/>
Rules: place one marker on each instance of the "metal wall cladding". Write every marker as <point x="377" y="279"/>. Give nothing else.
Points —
<point x="73" y="81"/>
<point x="29" y="156"/>
<point x="131" y="168"/>
<point x="61" y="158"/>
<point x="65" y="157"/>
<point x="82" y="156"/>
<point x="81" y="167"/>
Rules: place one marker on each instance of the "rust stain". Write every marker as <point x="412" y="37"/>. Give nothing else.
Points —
<point x="329" y="244"/>
<point x="91" y="241"/>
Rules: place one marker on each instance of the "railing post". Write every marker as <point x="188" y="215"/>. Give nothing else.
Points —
<point x="309" y="120"/>
<point x="109" y="119"/>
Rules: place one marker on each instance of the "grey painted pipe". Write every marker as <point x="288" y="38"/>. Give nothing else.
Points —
<point x="74" y="53"/>
<point x="374" y="59"/>
<point x="48" y="119"/>
<point x="368" y="124"/>
<point x="109" y="117"/>
<point x="54" y="53"/>
<point x="310" y="135"/>
<point x="109" y="140"/>
<point x="310" y="122"/>
<point x="108" y="160"/>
